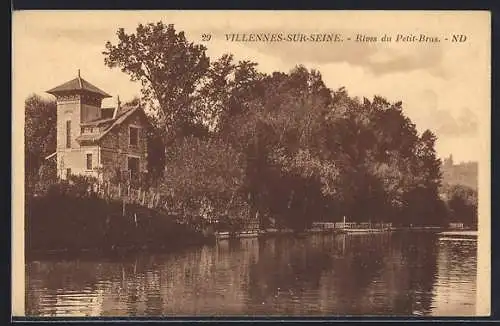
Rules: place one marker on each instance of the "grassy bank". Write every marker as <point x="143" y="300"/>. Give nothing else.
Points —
<point x="63" y="223"/>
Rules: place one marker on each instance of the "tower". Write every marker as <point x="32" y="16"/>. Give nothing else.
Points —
<point x="448" y="162"/>
<point x="78" y="102"/>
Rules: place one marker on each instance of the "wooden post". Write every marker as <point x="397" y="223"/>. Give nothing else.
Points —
<point x="151" y="200"/>
<point x="119" y="190"/>
<point x="123" y="206"/>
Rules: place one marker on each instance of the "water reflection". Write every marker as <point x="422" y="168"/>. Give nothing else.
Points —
<point x="375" y="274"/>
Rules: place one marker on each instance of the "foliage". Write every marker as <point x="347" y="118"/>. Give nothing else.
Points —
<point x="232" y="144"/>
<point x="47" y="177"/>
<point x="64" y="222"/>
<point x="462" y="203"/>
<point x="76" y="186"/>
<point x="203" y="176"/>
<point x="40" y="136"/>
<point x="282" y="145"/>
<point x="168" y="66"/>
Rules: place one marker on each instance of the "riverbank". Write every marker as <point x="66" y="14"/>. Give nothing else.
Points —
<point x="68" y="225"/>
<point x="61" y="224"/>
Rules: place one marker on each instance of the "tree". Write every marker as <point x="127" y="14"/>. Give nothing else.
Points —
<point x="423" y="205"/>
<point x="168" y="66"/>
<point x="204" y="175"/>
<point x="300" y="150"/>
<point x="227" y="90"/>
<point x="40" y="135"/>
<point x="462" y="204"/>
<point x="280" y="130"/>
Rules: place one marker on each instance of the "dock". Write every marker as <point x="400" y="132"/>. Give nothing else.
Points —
<point x="365" y="231"/>
<point x="237" y="235"/>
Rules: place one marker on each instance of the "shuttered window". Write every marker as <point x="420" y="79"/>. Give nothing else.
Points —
<point x="89" y="161"/>
<point x="68" y="134"/>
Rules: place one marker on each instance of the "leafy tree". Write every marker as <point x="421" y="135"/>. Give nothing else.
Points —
<point x="39" y="133"/>
<point x="423" y="205"/>
<point x="203" y="176"/>
<point x="289" y="146"/>
<point x="228" y="89"/>
<point x="169" y="67"/>
<point x="462" y="204"/>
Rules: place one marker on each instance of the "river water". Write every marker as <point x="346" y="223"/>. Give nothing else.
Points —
<point x="377" y="274"/>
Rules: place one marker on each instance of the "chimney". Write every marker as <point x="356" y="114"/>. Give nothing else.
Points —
<point x="80" y="79"/>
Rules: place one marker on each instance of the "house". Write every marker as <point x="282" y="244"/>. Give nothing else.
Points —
<point x="97" y="141"/>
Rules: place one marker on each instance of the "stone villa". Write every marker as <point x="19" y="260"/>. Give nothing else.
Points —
<point x="102" y="142"/>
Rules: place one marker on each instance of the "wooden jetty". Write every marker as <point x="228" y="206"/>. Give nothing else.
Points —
<point x="237" y="235"/>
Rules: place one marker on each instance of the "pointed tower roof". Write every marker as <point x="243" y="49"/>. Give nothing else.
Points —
<point x="78" y="84"/>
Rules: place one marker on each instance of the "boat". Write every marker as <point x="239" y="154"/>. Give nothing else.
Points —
<point x="248" y="234"/>
<point x="237" y="235"/>
<point x="222" y="235"/>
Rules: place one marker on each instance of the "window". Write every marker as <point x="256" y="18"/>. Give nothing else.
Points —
<point x="133" y="167"/>
<point x="133" y="136"/>
<point x="89" y="161"/>
<point x="68" y="134"/>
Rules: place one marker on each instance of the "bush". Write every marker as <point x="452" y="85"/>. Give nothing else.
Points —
<point x="65" y="220"/>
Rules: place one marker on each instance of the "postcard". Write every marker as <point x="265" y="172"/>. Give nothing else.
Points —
<point x="251" y="163"/>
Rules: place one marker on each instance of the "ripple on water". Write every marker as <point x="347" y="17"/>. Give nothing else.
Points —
<point x="320" y="275"/>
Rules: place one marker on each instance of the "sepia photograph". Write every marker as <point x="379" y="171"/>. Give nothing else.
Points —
<point x="251" y="163"/>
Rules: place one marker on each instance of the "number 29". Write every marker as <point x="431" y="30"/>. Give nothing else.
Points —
<point x="206" y="37"/>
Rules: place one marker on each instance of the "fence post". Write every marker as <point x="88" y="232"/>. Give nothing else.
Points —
<point x="152" y="200"/>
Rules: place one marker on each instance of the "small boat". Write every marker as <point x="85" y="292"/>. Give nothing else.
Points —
<point x="222" y="235"/>
<point x="461" y="235"/>
<point x="248" y="234"/>
<point x="464" y="233"/>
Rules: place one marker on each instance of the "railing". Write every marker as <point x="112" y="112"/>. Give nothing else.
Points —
<point x="123" y="192"/>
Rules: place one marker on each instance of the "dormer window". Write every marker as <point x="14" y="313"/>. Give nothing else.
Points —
<point x="133" y="136"/>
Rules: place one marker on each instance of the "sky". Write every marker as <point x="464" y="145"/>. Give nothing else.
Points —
<point x="444" y="86"/>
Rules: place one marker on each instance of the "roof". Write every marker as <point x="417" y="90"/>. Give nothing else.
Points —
<point x="121" y="117"/>
<point x="97" y="122"/>
<point x="78" y="84"/>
